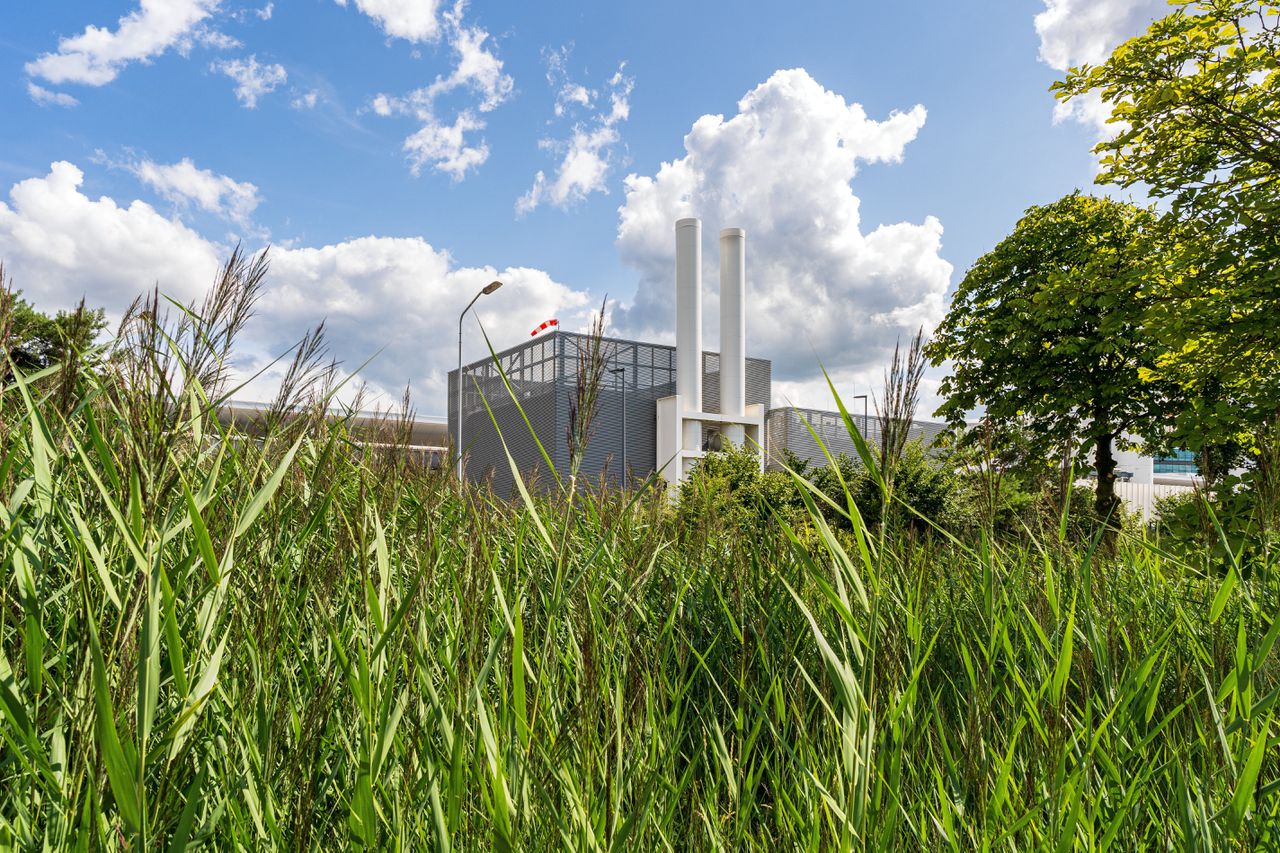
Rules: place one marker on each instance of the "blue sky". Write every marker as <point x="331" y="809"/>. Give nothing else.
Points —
<point x="328" y="129"/>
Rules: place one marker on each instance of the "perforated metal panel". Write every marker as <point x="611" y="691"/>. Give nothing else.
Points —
<point x="786" y="429"/>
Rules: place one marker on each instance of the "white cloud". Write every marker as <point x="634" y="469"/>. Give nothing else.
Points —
<point x="208" y="38"/>
<point x="587" y="153"/>
<point x="398" y="295"/>
<point x="445" y="147"/>
<point x="478" y="69"/>
<point x="573" y="94"/>
<point x="412" y="20"/>
<point x="582" y="171"/>
<point x="569" y="94"/>
<point x="64" y="245"/>
<point x="97" y="55"/>
<point x="45" y="98"/>
<point x="184" y="184"/>
<point x="821" y="288"/>
<point x="305" y="100"/>
<point x="253" y="80"/>
<point x="403" y="296"/>
<point x="1079" y="32"/>
<point x="265" y="13"/>
<point x="439" y="144"/>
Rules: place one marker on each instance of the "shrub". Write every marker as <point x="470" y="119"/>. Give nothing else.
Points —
<point x="727" y="490"/>
<point x="926" y="483"/>
<point x="1199" y="529"/>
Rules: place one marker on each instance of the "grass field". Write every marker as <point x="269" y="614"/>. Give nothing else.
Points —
<point x="292" y="643"/>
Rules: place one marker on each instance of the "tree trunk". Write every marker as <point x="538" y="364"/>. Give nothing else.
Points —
<point x="1106" y="503"/>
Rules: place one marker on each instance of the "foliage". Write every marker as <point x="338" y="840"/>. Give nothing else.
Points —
<point x="1195" y="104"/>
<point x="1018" y="491"/>
<point x="1232" y="524"/>
<point x="294" y="642"/>
<point x="586" y="400"/>
<point x="897" y="408"/>
<point x="33" y="340"/>
<point x="928" y="490"/>
<point x="727" y="491"/>
<point x="1046" y="333"/>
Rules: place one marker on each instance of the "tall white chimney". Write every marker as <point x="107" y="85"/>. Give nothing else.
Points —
<point x="680" y="417"/>
<point x="689" y="324"/>
<point x="733" y="329"/>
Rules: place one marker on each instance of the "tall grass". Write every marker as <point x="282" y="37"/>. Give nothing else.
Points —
<point x="290" y="642"/>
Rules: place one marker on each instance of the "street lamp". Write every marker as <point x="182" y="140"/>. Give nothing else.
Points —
<point x="623" y="371"/>
<point x="484" y="291"/>
<point x="863" y="398"/>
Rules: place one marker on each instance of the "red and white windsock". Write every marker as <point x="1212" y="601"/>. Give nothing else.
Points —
<point x="547" y="325"/>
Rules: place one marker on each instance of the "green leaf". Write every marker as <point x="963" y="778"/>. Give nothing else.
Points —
<point x="260" y="500"/>
<point x="1062" y="669"/>
<point x="1248" y="779"/>
<point x="1223" y="595"/>
<point x="118" y="754"/>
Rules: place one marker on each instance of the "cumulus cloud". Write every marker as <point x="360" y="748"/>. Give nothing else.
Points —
<point x="402" y="296"/>
<point x="96" y="56"/>
<point x="822" y="288"/>
<point x="62" y="245"/>
<point x="253" y="80"/>
<point x="449" y="146"/>
<point x="186" y="185"/>
<point x="1079" y="32"/>
<point x="397" y="295"/>
<point x="411" y="20"/>
<point x="46" y="98"/>
<point x="587" y="155"/>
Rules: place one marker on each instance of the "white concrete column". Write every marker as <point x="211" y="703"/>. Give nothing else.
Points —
<point x="733" y="329"/>
<point x="689" y="326"/>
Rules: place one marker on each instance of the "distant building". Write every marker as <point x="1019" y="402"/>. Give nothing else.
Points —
<point x="792" y="430"/>
<point x="1178" y="468"/>
<point x="424" y="437"/>
<point x="543" y="375"/>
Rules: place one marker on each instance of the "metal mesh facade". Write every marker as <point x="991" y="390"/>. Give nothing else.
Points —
<point x="785" y="430"/>
<point x="543" y="375"/>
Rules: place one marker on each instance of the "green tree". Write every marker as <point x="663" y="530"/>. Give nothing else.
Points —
<point x="34" y="340"/>
<point x="1046" y="333"/>
<point x="1195" y="103"/>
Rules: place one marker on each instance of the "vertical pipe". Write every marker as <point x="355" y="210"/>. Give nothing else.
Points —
<point x="733" y="329"/>
<point x="624" y="428"/>
<point x="464" y="314"/>
<point x="689" y="313"/>
<point x="689" y="326"/>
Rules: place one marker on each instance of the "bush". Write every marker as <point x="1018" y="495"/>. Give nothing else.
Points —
<point x="1199" y="529"/>
<point x="925" y="481"/>
<point x="727" y="489"/>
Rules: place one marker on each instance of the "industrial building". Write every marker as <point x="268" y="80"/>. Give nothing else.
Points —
<point x="661" y="407"/>
<point x="543" y="376"/>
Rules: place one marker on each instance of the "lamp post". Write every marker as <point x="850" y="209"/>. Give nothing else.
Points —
<point x="863" y="398"/>
<point x="623" y="372"/>
<point x="484" y="291"/>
